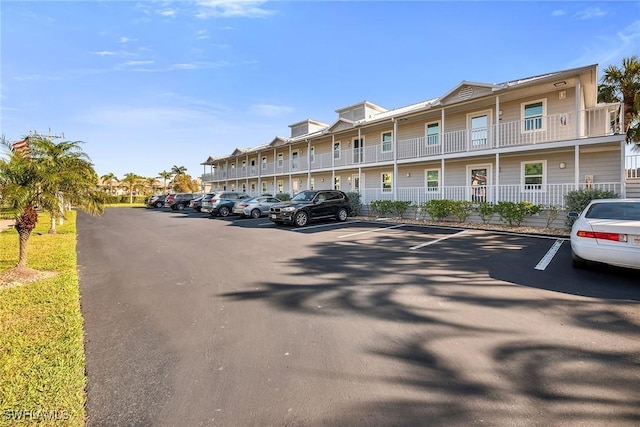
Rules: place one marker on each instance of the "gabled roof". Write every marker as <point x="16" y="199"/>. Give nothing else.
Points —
<point x="362" y="103"/>
<point x="211" y="160"/>
<point x="397" y="112"/>
<point x="277" y="141"/>
<point x="339" y="124"/>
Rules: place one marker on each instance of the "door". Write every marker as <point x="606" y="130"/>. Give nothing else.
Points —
<point x="355" y="180"/>
<point x="479" y="182"/>
<point x="357" y="150"/>
<point x="295" y="186"/>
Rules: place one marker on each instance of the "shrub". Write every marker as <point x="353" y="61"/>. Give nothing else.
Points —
<point x="514" y="213"/>
<point x="552" y="213"/>
<point x="399" y="208"/>
<point x="381" y="207"/>
<point x="438" y="209"/>
<point x="356" y="203"/>
<point x="485" y="211"/>
<point x="285" y="197"/>
<point x="577" y="200"/>
<point x="462" y="209"/>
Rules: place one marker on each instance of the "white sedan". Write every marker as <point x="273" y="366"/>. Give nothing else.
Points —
<point x="607" y="231"/>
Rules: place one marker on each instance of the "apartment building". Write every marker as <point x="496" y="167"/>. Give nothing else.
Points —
<point x="532" y="139"/>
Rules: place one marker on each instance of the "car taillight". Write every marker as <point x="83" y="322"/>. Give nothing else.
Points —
<point x="616" y="237"/>
<point x="243" y="205"/>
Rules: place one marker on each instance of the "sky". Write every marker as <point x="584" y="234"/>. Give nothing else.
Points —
<point x="148" y="85"/>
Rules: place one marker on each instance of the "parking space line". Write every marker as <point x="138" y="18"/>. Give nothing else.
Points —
<point x="370" y="231"/>
<point x="546" y="259"/>
<point x="329" y="224"/>
<point x="422" y="245"/>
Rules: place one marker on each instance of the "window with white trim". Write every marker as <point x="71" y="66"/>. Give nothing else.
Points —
<point x="432" y="179"/>
<point x="264" y="162"/>
<point x="387" y="141"/>
<point x="534" y="175"/>
<point x="312" y="183"/>
<point x="264" y="187"/>
<point x="433" y="133"/>
<point x="280" y="186"/>
<point x="533" y="115"/>
<point x="244" y="187"/>
<point x="336" y="182"/>
<point x="280" y="159"/>
<point x="294" y="160"/>
<point x="253" y="186"/>
<point x="336" y="150"/>
<point x="387" y="182"/>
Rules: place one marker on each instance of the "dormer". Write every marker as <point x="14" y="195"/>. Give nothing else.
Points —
<point x="306" y="127"/>
<point x="360" y="111"/>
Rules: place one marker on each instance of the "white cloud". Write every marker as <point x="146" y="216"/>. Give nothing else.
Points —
<point x="202" y="35"/>
<point x="270" y="110"/>
<point x="558" y="12"/>
<point x="124" y="40"/>
<point x="103" y="53"/>
<point x="590" y="13"/>
<point x="168" y="12"/>
<point x="232" y="8"/>
<point x="611" y="49"/>
<point x="135" y="63"/>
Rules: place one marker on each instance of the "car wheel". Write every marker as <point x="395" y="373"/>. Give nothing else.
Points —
<point x="577" y="262"/>
<point x="256" y="213"/>
<point x="180" y="206"/>
<point x="301" y="219"/>
<point x="159" y="204"/>
<point x="223" y="211"/>
<point x="342" y="214"/>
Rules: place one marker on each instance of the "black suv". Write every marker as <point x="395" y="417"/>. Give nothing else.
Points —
<point x="180" y="200"/>
<point x="312" y="205"/>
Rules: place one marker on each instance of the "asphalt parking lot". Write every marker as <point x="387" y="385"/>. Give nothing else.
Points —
<point x="191" y="320"/>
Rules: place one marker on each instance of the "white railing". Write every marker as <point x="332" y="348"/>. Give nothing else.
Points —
<point x="548" y="195"/>
<point x="632" y="166"/>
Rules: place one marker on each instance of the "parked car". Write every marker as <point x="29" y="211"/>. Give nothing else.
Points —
<point x="180" y="200"/>
<point x="254" y="207"/>
<point x="196" y="204"/>
<point x="221" y="203"/>
<point x="156" y="201"/>
<point x="312" y="205"/>
<point x="607" y="231"/>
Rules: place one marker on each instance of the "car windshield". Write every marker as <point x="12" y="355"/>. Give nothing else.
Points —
<point x="304" y="196"/>
<point x="629" y="211"/>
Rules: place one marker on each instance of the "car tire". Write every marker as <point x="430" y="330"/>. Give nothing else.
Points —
<point x="180" y="206"/>
<point x="159" y="204"/>
<point x="577" y="262"/>
<point x="223" y="211"/>
<point x="342" y="215"/>
<point x="256" y="213"/>
<point x="301" y="219"/>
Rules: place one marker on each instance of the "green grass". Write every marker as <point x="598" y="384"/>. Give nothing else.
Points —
<point x="41" y="333"/>
<point x="125" y="205"/>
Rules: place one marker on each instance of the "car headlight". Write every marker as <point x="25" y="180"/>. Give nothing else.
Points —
<point x="288" y="209"/>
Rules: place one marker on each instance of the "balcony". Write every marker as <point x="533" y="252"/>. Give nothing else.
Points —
<point x="594" y="122"/>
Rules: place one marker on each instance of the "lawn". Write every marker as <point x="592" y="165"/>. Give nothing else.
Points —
<point x="42" y="360"/>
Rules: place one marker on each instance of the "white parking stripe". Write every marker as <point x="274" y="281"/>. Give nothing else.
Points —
<point x="546" y="260"/>
<point x="422" y="245"/>
<point x="371" y="231"/>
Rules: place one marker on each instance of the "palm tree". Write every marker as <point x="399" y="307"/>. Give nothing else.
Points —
<point x="38" y="180"/>
<point x="133" y="182"/>
<point x="109" y="177"/>
<point x="623" y="85"/>
<point x="165" y="176"/>
<point x="151" y="183"/>
<point x="178" y="170"/>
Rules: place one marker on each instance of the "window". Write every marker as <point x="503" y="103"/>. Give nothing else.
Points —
<point x="280" y="160"/>
<point x="312" y="183"/>
<point x="336" y="150"/>
<point x="244" y="166"/>
<point x="264" y="186"/>
<point x="532" y="116"/>
<point x="253" y="186"/>
<point x="386" y="182"/>
<point x="432" y="179"/>
<point x="233" y="166"/>
<point x="336" y="183"/>
<point x="244" y="188"/>
<point x="280" y="186"/>
<point x="264" y="163"/>
<point x="533" y="175"/>
<point x="387" y="140"/>
<point x="294" y="160"/>
<point x="312" y="154"/>
<point x="479" y="129"/>
<point x="433" y="133"/>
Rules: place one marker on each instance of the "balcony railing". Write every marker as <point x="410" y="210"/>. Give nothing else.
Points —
<point x="592" y="122"/>
<point x="549" y="195"/>
<point x="632" y="166"/>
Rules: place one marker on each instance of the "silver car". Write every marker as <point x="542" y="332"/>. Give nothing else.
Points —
<point x="254" y="207"/>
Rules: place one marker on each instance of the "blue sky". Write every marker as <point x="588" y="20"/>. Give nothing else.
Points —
<point x="151" y="84"/>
